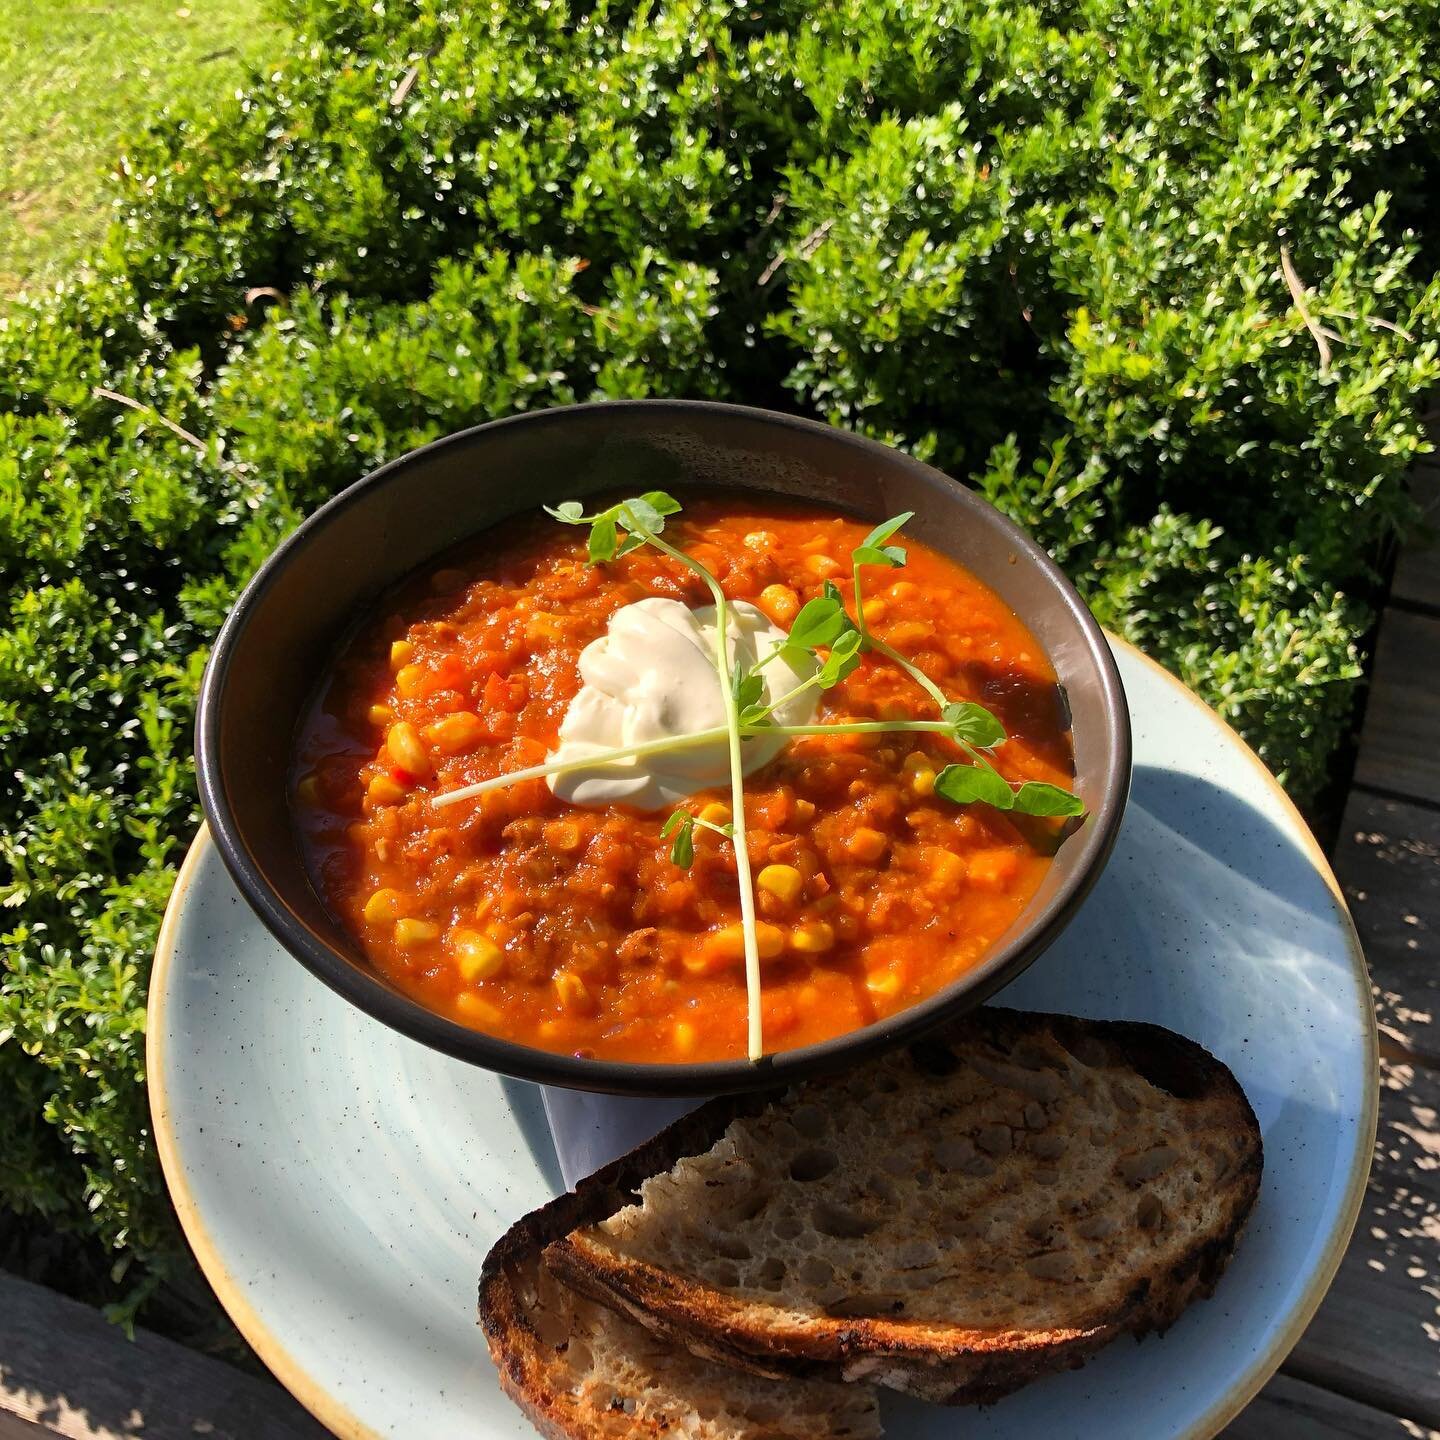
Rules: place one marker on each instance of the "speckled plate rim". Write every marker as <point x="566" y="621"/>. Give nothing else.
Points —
<point x="312" y="1393"/>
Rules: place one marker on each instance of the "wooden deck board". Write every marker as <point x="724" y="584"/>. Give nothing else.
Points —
<point x="65" y="1370"/>
<point x="1288" y="1409"/>
<point x="1376" y="1337"/>
<point x="1417" y="572"/>
<point x="1400" y="746"/>
<point x="12" y="1427"/>
<point x="1388" y="860"/>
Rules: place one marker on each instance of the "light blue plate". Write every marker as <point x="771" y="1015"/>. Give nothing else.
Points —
<point x="340" y="1183"/>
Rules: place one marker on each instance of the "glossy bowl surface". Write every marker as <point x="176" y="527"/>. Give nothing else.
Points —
<point x="286" y="627"/>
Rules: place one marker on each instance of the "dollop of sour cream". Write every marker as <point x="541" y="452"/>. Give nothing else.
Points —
<point x="651" y="676"/>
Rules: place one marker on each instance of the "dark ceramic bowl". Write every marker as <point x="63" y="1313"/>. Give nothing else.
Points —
<point x="284" y="632"/>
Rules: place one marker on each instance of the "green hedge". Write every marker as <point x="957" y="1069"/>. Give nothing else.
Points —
<point x="1039" y="244"/>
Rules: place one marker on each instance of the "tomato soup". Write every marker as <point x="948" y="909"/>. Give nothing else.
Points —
<point x="568" y="926"/>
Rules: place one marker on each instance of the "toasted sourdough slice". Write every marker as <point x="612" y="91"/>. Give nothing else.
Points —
<point x="580" y="1371"/>
<point x="951" y="1220"/>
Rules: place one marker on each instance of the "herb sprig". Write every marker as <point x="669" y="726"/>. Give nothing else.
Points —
<point x="642" y="520"/>
<point x="682" y="825"/>
<point x="825" y="640"/>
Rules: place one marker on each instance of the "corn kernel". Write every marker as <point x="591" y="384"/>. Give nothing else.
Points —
<point x="728" y="943"/>
<point x="804" y="811"/>
<point x="780" y="603"/>
<point x="715" y="813"/>
<point x="477" y="956"/>
<point x="563" y="836"/>
<point x="411" y="934"/>
<point x="784" y="882"/>
<point x="822" y="567"/>
<point x="382" y="790"/>
<point x="685" y="1037"/>
<point x="401" y="653"/>
<point x="866" y="845"/>
<point x="875" y="611"/>
<point x="903" y="590"/>
<point x="573" y="992"/>
<point x="460" y="731"/>
<point x="769" y="940"/>
<point x="908" y="634"/>
<point x="921" y="772"/>
<point x="380" y="714"/>
<point x="812" y="938"/>
<point x="475" y="1011"/>
<point x="307" y="792"/>
<point x="885" y="984"/>
<point x="384" y="905"/>
<point x="410" y="680"/>
<point x="403" y="743"/>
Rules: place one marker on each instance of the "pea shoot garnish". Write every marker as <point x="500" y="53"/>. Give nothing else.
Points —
<point x="824" y="645"/>
<point x="681" y="826"/>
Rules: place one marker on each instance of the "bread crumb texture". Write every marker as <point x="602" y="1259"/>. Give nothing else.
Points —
<point x="991" y="1182"/>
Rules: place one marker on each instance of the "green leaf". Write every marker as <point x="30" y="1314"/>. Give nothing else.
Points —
<point x="682" y="849"/>
<point x="883" y="531"/>
<point x="570" y="512"/>
<point x="751" y="703"/>
<point x="640" y="514"/>
<point x="890" y="555"/>
<point x="1036" y="798"/>
<point x="965" y="784"/>
<point x="660" y="502"/>
<point x="746" y="686"/>
<point x="629" y="543"/>
<point x="820" y="622"/>
<point x="973" y="723"/>
<point x="873" y="550"/>
<point x="844" y="656"/>
<point x="603" y="540"/>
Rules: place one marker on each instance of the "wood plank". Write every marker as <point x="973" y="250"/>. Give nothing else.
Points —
<point x="12" y="1427"/>
<point x="1292" y="1410"/>
<point x="67" y="1371"/>
<point x="1417" y="572"/>
<point x="1376" y="1338"/>
<point x="1400" y="747"/>
<point x="1388" y="861"/>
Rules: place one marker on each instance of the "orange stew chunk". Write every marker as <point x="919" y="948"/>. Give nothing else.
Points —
<point x="568" y="927"/>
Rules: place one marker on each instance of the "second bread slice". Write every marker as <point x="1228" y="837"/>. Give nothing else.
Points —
<point x="952" y="1220"/>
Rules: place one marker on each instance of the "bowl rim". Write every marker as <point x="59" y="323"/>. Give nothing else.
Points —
<point x="373" y="996"/>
